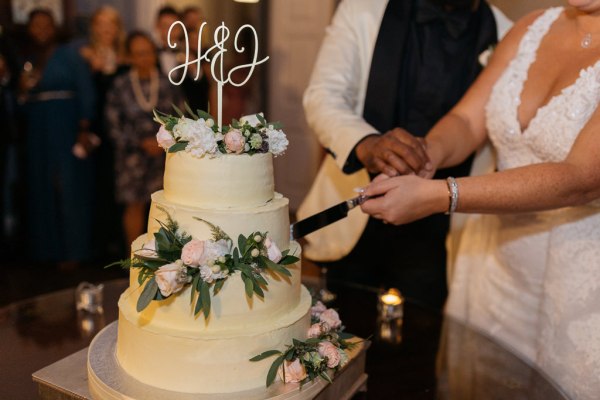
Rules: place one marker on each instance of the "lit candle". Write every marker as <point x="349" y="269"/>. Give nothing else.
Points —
<point x="391" y="304"/>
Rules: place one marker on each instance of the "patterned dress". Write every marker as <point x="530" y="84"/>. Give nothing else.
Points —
<point x="138" y="174"/>
<point x="532" y="280"/>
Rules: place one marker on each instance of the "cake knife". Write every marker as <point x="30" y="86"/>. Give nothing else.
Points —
<point x="327" y="217"/>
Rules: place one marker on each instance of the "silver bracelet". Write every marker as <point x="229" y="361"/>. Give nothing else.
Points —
<point x="452" y="195"/>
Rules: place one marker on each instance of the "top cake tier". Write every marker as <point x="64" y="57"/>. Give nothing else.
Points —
<point x="227" y="181"/>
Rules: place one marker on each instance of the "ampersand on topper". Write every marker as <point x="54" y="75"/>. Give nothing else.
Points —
<point x="215" y="55"/>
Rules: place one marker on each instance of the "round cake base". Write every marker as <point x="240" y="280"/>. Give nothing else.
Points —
<point x="108" y="381"/>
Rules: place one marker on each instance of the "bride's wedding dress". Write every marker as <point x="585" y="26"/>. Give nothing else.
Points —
<point x="532" y="281"/>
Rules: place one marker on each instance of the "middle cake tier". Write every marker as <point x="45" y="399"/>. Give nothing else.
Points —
<point x="271" y="218"/>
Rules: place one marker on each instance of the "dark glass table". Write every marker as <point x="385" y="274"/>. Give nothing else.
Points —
<point x="425" y="357"/>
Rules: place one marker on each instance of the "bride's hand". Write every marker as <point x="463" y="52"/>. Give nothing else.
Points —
<point x="405" y="199"/>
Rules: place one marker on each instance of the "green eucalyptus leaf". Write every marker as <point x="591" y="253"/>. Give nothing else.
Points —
<point x="204" y="115"/>
<point x="258" y="290"/>
<point x="249" y="285"/>
<point x="147" y="295"/>
<point x="179" y="146"/>
<point x="218" y="286"/>
<point x="287" y="260"/>
<point x="199" y="304"/>
<point x="194" y="286"/>
<point x="205" y="293"/>
<point x="273" y="370"/>
<point x="242" y="244"/>
<point x="177" y="110"/>
<point x="262" y="119"/>
<point x="265" y="354"/>
<point x="189" y="110"/>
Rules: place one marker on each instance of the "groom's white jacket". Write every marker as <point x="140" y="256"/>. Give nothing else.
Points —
<point x="333" y="103"/>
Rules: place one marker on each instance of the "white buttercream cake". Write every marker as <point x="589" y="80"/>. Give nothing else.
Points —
<point x="166" y="345"/>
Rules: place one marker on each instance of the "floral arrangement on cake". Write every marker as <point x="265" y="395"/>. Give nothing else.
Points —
<point x="173" y="260"/>
<point x="324" y="351"/>
<point x="200" y="136"/>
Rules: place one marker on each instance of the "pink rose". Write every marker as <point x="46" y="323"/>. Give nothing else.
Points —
<point x="192" y="252"/>
<point x="329" y="351"/>
<point x="331" y="318"/>
<point x="317" y="309"/>
<point x="294" y="371"/>
<point x="148" y="250"/>
<point x="167" y="278"/>
<point x="234" y="141"/>
<point x="315" y="330"/>
<point x="273" y="251"/>
<point x="164" y="138"/>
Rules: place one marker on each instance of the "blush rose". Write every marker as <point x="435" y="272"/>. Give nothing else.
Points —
<point x="329" y="351"/>
<point x="164" y="138"/>
<point x="167" y="278"/>
<point x="192" y="252"/>
<point x="294" y="371"/>
<point x="234" y="141"/>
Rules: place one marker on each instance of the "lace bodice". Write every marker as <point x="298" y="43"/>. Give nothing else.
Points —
<point x="554" y="128"/>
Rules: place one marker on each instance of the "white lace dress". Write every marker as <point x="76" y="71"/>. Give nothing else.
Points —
<point x="532" y="280"/>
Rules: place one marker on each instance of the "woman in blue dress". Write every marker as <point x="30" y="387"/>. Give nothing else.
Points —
<point x="59" y="106"/>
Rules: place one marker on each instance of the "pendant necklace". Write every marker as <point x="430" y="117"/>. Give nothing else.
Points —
<point x="145" y="104"/>
<point x="586" y="42"/>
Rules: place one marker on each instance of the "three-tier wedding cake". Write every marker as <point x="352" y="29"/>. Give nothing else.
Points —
<point x="193" y="325"/>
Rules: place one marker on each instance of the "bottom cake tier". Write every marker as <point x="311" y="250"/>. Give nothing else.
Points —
<point x="188" y="363"/>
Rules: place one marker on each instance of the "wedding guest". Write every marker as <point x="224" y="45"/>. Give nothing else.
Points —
<point x="167" y="55"/>
<point x="59" y="96"/>
<point x="105" y="55"/>
<point x="388" y="70"/>
<point x="527" y="271"/>
<point x="192" y="17"/>
<point x="200" y="93"/>
<point x="139" y="162"/>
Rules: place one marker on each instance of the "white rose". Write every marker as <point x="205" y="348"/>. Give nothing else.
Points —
<point x="164" y="138"/>
<point x="203" y="143"/>
<point x="211" y="274"/>
<point x="255" y="253"/>
<point x="273" y="251"/>
<point x="331" y="318"/>
<point x="214" y="250"/>
<point x="167" y="278"/>
<point x="192" y="252"/>
<point x="294" y="371"/>
<point x="184" y="129"/>
<point x="206" y="274"/>
<point x="250" y="119"/>
<point x="148" y="250"/>
<point x="329" y="351"/>
<point x="277" y="140"/>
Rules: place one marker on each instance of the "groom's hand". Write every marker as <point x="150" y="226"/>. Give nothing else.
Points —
<point x="395" y="152"/>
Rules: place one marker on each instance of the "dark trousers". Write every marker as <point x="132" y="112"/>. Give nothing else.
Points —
<point x="411" y="258"/>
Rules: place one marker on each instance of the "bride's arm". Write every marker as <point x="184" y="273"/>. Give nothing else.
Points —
<point x="462" y="130"/>
<point x="574" y="181"/>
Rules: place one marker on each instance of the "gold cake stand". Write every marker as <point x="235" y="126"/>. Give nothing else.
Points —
<point x="104" y="379"/>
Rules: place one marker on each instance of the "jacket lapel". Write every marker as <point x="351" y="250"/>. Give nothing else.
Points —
<point x="380" y="100"/>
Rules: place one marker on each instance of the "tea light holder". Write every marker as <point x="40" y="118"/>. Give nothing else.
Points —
<point x="390" y="331"/>
<point x="89" y="297"/>
<point x="391" y="305"/>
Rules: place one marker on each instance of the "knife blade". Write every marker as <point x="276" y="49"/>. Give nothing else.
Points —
<point x="326" y="217"/>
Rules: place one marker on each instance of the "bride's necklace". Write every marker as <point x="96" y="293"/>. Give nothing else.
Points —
<point x="586" y="41"/>
<point x="145" y="104"/>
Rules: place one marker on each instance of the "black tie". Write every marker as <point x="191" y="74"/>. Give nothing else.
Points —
<point x="456" y="21"/>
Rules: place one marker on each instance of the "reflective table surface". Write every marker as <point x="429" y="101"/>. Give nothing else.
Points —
<point x="421" y="356"/>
